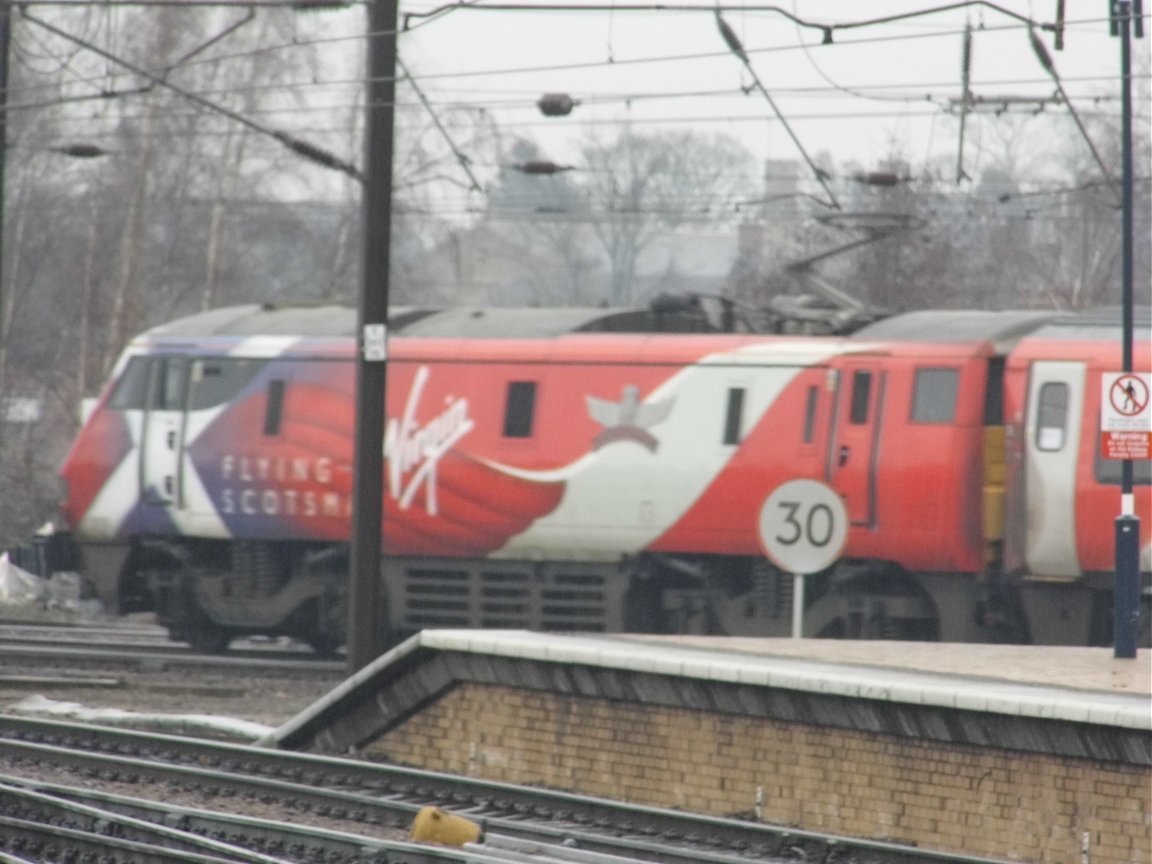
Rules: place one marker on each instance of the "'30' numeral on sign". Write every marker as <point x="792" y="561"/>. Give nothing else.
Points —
<point x="803" y="526"/>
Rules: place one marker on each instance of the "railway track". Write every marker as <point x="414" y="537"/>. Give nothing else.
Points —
<point x="126" y="657"/>
<point x="146" y="638"/>
<point x="156" y="685"/>
<point x="84" y="655"/>
<point x="351" y="810"/>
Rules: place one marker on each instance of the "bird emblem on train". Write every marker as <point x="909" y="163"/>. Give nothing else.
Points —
<point x="629" y="419"/>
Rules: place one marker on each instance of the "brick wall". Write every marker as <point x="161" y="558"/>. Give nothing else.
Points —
<point x="949" y="797"/>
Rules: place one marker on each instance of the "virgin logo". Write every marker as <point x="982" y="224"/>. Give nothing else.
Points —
<point x="414" y="449"/>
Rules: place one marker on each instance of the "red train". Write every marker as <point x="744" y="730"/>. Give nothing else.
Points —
<point x="549" y="469"/>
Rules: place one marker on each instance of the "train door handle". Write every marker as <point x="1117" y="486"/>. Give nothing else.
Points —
<point x="171" y="439"/>
<point x="168" y="486"/>
<point x="842" y="459"/>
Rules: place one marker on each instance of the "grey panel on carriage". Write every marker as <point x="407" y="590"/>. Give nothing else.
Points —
<point x="333" y="321"/>
<point x="318" y="321"/>
<point x="957" y="325"/>
<point x="533" y="323"/>
<point x="1101" y="323"/>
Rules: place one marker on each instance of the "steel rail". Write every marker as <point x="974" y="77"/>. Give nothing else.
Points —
<point x="51" y="828"/>
<point x="155" y="658"/>
<point x="389" y="790"/>
<point x="396" y="811"/>
<point x="249" y="838"/>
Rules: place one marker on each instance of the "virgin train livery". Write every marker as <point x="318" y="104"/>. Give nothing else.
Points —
<point x="548" y="469"/>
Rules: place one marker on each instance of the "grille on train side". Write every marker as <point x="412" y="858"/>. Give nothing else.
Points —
<point x="504" y="595"/>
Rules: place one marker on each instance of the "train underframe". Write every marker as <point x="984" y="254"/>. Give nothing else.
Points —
<point x="208" y="593"/>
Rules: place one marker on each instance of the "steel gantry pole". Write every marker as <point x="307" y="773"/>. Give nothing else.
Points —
<point x="5" y="42"/>
<point x="1126" y="589"/>
<point x="367" y="615"/>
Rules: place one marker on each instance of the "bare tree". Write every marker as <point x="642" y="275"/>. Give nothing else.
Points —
<point x="641" y="186"/>
<point x="538" y="223"/>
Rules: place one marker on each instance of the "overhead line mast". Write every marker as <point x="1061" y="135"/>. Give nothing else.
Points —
<point x="367" y="618"/>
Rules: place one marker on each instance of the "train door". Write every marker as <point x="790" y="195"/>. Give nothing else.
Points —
<point x="162" y="435"/>
<point x="853" y="448"/>
<point x="1051" y="453"/>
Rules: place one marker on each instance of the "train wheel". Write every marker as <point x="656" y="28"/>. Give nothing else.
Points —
<point x="874" y="603"/>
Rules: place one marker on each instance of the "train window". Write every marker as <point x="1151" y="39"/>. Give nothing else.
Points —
<point x="1052" y="416"/>
<point x="861" y="396"/>
<point x="994" y="394"/>
<point x="810" y="414"/>
<point x="275" y="407"/>
<point x="131" y="390"/>
<point x="216" y="380"/>
<point x="171" y="381"/>
<point x="735" y="416"/>
<point x="519" y="409"/>
<point x="934" y="395"/>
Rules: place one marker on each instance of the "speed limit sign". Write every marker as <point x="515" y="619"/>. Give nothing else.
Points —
<point x="803" y="526"/>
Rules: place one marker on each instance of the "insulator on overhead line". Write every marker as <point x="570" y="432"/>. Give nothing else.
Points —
<point x="81" y="151"/>
<point x="731" y="38"/>
<point x="879" y="178"/>
<point x="556" y="104"/>
<point x="540" y="167"/>
<point x="319" y="5"/>
<point x="1041" y="53"/>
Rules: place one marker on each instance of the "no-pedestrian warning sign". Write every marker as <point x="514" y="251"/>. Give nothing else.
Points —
<point x="1125" y="415"/>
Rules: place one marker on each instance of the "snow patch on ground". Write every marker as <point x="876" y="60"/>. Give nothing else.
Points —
<point x="181" y="723"/>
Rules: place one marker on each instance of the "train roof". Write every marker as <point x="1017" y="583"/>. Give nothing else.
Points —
<point x="318" y="321"/>
<point x="1003" y="328"/>
<point x="327" y="321"/>
<point x="335" y="321"/>
<point x="263" y="320"/>
<point x="1103" y="323"/>
<point x="533" y="323"/>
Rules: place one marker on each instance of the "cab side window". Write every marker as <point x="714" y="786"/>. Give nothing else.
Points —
<point x="810" y="406"/>
<point x="861" y="397"/>
<point x="154" y="383"/>
<point x="216" y="380"/>
<point x="171" y="384"/>
<point x="131" y="391"/>
<point x="734" y="416"/>
<point x="934" y="395"/>
<point x="519" y="409"/>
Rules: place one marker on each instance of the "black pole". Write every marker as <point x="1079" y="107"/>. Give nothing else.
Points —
<point x="5" y="41"/>
<point x="1126" y="590"/>
<point x="367" y="615"/>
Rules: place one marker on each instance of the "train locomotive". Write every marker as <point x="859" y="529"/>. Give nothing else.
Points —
<point x="604" y="470"/>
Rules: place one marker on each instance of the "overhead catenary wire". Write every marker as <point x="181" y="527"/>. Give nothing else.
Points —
<point x="467" y="74"/>
<point x="826" y="29"/>
<point x="299" y="146"/>
<point x="734" y="45"/>
<point x="527" y="100"/>
<point x="628" y="97"/>
<point x="615" y="62"/>
<point x="1050" y="67"/>
<point x="461" y="159"/>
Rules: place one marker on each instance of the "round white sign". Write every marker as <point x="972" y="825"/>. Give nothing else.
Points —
<point x="803" y="526"/>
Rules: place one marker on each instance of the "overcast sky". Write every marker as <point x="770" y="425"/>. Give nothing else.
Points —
<point x="876" y="88"/>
